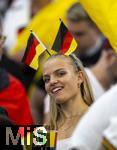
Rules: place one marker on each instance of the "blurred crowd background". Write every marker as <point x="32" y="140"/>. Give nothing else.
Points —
<point x="23" y="99"/>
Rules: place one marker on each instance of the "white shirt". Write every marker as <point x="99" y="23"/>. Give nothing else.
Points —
<point x="63" y="144"/>
<point x="88" y="133"/>
<point x="97" y="88"/>
<point x="111" y="132"/>
<point x="16" y="17"/>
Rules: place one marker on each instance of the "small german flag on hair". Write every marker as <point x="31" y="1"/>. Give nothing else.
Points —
<point x="33" y="50"/>
<point x="64" y="42"/>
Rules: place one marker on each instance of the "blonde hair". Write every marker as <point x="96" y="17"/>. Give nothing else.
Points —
<point x="86" y="91"/>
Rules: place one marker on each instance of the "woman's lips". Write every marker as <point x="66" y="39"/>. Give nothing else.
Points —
<point x="55" y="90"/>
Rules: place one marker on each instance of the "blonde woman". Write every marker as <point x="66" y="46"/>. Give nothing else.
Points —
<point x="67" y="84"/>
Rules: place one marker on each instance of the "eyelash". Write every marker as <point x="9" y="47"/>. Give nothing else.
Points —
<point x="61" y="74"/>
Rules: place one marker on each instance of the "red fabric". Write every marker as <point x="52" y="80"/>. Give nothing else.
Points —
<point x="66" y="43"/>
<point x="31" y="51"/>
<point x="15" y="101"/>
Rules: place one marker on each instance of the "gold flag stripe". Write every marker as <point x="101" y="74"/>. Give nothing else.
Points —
<point x="39" y="50"/>
<point x="72" y="48"/>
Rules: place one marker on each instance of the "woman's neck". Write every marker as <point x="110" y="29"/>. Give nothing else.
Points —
<point x="73" y="110"/>
<point x="74" y="107"/>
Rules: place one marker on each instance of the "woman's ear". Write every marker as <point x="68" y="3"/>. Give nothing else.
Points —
<point x="111" y="57"/>
<point x="80" y="77"/>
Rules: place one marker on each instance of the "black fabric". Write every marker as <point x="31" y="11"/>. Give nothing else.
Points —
<point x="12" y="67"/>
<point x="40" y="84"/>
<point x="28" y="74"/>
<point x="22" y="72"/>
<point x="3" y="111"/>
<point x="29" y="44"/>
<point x="90" y="60"/>
<point x="4" y="79"/>
<point x="60" y="37"/>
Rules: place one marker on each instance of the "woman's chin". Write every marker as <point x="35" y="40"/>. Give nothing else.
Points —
<point x="59" y="100"/>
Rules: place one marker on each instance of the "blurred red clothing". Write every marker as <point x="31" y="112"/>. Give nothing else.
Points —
<point x="14" y="99"/>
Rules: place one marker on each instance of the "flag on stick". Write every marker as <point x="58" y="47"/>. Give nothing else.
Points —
<point x="41" y="22"/>
<point x="33" y="50"/>
<point x="64" y="42"/>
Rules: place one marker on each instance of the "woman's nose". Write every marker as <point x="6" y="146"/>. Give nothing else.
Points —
<point x="53" y="80"/>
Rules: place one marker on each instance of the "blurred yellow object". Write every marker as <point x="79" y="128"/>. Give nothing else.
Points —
<point x="42" y="60"/>
<point x="104" y="14"/>
<point x="45" y="24"/>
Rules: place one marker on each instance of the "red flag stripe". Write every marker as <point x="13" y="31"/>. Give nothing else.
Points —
<point x="66" y="43"/>
<point x="31" y="52"/>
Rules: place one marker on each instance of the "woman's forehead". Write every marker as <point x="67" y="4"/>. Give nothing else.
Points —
<point x="58" y="60"/>
<point x="56" y="63"/>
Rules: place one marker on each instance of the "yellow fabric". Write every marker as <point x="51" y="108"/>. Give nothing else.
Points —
<point x="39" y="50"/>
<point x="104" y="13"/>
<point x="44" y="24"/>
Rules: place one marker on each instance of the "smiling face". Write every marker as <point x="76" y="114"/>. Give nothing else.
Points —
<point x="61" y="79"/>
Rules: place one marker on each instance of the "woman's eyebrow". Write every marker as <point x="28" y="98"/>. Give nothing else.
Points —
<point x="60" y="69"/>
